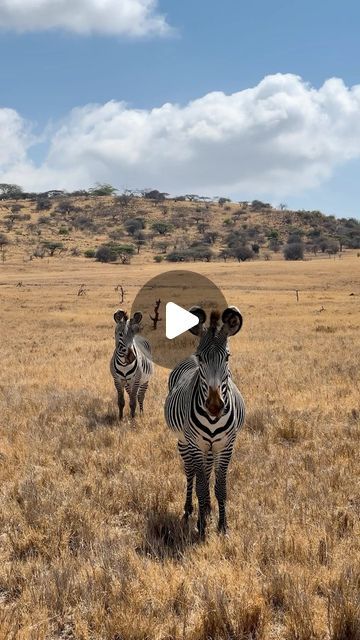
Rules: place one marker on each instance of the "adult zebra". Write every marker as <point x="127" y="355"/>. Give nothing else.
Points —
<point x="131" y="365"/>
<point x="207" y="410"/>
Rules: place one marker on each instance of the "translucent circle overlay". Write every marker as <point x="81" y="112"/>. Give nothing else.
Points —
<point x="186" y="289"/>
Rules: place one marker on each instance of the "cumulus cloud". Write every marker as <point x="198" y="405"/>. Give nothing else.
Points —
<point x="126" y="17"/>
<point x="15" y="138"/>
<point x="281" y="137"/>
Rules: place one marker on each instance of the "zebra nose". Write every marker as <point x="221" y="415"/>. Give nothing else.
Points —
<point x="214" y="402"/>
<point x="130" y="357"/>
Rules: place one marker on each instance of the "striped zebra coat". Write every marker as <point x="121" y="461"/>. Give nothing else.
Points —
<point x="207" y="410"/>
<point x="131" y="364"/>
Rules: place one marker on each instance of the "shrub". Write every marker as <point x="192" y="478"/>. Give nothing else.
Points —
<point x="177" y="256"/>
<point x="44" y="220"/>
<point x="243" y="253"/>
<point x="161" y="227"/>
<point x="158" y="258"/>
<point x="51" y="246"/>
<point x="43" y="204"/>
<point x="105" y="254"/>
<point x="4" y="240"/>
<point x="111" y="252"/>
<point x="89" y="253"/>
<point x="63" y="231"/>
<point x="132" y="225"/>
<point x="294" y="251"/>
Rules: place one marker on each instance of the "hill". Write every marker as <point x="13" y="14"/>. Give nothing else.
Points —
<point x="152" y="227"/>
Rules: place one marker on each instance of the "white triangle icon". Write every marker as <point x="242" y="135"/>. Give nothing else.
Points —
<point x="178" y="320"/>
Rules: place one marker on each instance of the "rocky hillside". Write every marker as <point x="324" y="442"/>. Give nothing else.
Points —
<point x="152" y="227"/>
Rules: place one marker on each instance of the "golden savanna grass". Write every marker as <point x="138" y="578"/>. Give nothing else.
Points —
<point x="92" y="545"/>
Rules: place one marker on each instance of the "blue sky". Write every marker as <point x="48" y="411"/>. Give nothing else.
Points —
<point x="213" y="47"/>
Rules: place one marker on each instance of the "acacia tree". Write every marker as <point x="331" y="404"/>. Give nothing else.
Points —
<point x="9" y="191"/>
<point x="102" y="189"/>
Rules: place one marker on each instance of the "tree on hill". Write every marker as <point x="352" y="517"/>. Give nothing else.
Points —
<point x="102" y="189"/>
<point x="161" y="228"/>
<point x="223" y="201"/>
<point x="154" y="194"/>
<point x="51" y="247"/>
<point x="10" y="191"/>
<point x="132" y="225"/>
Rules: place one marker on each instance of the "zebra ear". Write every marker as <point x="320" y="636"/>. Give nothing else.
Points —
<point x="137" y="318"/>
<point x="232" y="321"/>
<point x="200" y="313"/>
<point x="120" y="315"/>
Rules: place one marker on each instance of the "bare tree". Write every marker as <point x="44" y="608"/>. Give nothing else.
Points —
<point x="155" y="318"/>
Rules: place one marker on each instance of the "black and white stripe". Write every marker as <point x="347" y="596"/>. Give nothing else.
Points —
<point x="207" y="410"/>
<point x="131" y="364"/>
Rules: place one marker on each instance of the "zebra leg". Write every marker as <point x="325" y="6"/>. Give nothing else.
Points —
<point x="202" y="492"/>
<point x="133" y="404"/>
<point x="141" y="395"/>
<point x="221" y="467"/>
<point x="121" y="400"/>
<point x="190" y="473"/>
<point x="208" y="469"/>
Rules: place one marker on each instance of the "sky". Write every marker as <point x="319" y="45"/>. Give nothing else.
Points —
<point x="245" y="100"/>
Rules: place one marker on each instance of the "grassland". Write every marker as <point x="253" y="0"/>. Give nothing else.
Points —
<point x="91" y="541"/>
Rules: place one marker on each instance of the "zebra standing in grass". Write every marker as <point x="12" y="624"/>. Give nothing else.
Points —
<point x="205" y="407"/>
<point x="131" y="364"/>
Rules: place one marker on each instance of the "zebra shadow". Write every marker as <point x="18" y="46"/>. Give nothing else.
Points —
<point x="99" y="415"/>
<point x="166" y="536"/>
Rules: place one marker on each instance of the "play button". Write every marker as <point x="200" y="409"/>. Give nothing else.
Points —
<point x="178" y="320"/>
<point x="165" y="302"/>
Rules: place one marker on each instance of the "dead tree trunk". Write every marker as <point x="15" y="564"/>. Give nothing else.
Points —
<point x="121" y="291"/>
<point x="155" y="318"/>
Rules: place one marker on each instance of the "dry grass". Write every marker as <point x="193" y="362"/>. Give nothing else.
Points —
<point x="91" y="541"/>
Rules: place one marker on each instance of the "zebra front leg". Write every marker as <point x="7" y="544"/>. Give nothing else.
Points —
<point x="121" y="401"/>
<point x="133" y="396"/>
<point x="202" y="492"/>
<point x="141" y="396"/>
<point x="190" y="474"/>
<point x="221" y="467"/>
<point x="208" y="469"/>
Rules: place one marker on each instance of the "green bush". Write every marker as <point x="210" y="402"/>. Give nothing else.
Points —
<point x="158" y="258"/>
<point x="89" y="253"/>
<point x="294" y="251"/>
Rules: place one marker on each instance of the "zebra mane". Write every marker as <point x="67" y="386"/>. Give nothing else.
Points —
<point x="214" y="319"/>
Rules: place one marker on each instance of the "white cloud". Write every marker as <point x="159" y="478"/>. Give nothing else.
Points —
<point x="281" y="137"/>
<point x="15" y="138"/>
<point x="125" y="17"/>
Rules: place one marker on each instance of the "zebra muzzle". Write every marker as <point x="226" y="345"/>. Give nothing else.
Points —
<point x="214" y="404"/>
<point x="130" y="356"/>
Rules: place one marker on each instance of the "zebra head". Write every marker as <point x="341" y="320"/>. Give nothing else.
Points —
<point x="213" y="355"/>
<point x="125" y="332"/>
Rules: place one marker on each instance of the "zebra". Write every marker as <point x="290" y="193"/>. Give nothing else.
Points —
<point x="131" y="364"/>
<point x="206" y="409"/>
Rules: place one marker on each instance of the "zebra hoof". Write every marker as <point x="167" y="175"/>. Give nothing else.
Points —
<point x="222" y="529"/>
<point x="188" y="509"/>
<point x="201" y="530"/>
